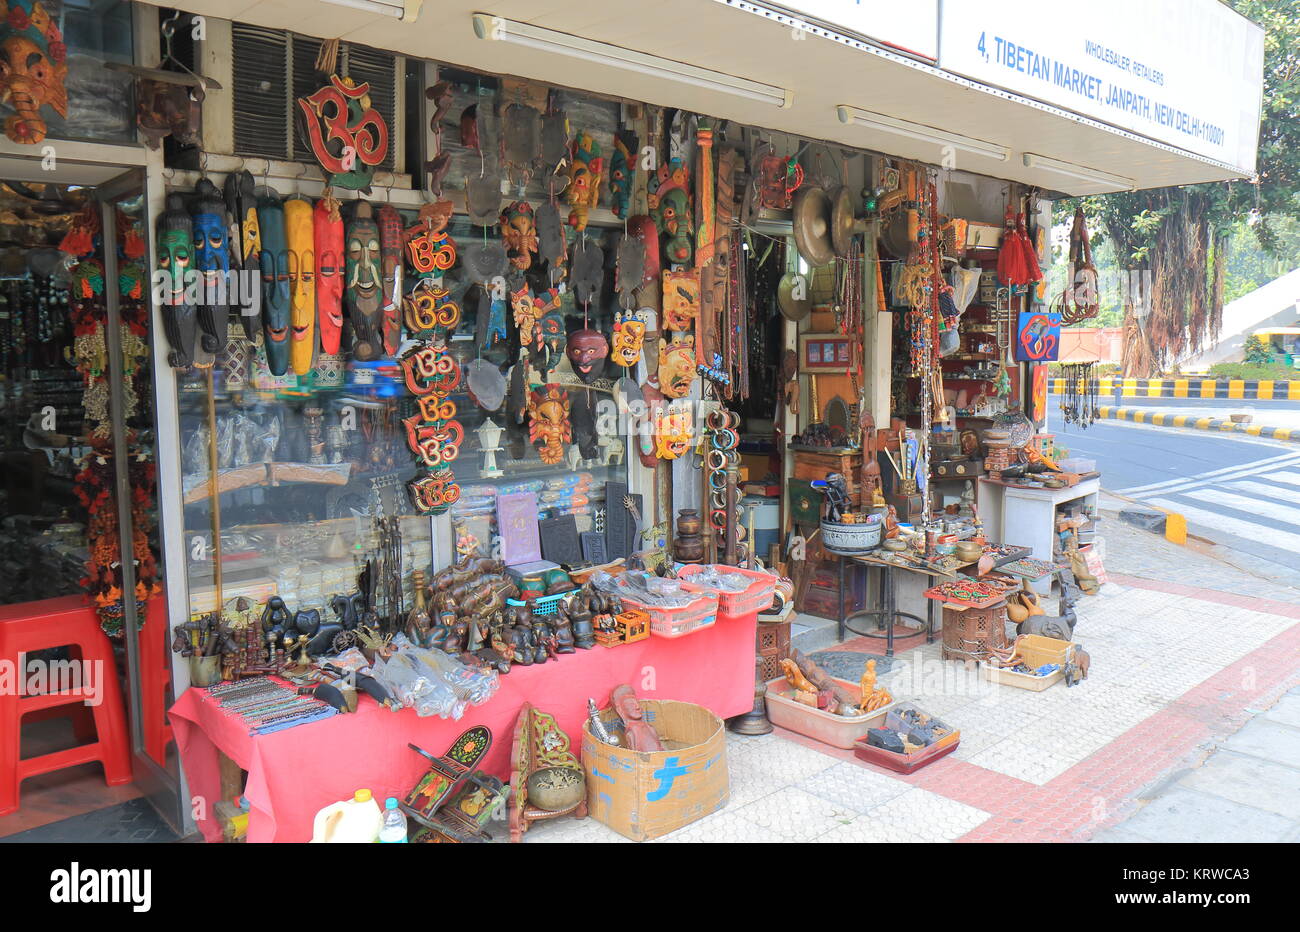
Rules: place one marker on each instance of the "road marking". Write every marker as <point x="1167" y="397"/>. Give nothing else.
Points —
<point x="1244" y="469"/>
<point x="1212" y="520"/>
<point x="1251" y="506"/>
<point x="1291" y="478"/>
<point x="1285" y="493"/>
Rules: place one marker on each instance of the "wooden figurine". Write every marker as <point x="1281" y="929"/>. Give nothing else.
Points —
<point x="640" y="734"/>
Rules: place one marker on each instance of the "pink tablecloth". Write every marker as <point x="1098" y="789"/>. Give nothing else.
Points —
<point x="296" y="772"/>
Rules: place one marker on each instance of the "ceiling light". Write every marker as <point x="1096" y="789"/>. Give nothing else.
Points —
<point x="497" y="28"/>
<point x="398" y="9"/>
<point x="888" y="124"/>
<point x="1082" y="173"/>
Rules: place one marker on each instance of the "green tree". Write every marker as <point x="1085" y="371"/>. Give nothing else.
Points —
<point x="1178" y="239"/>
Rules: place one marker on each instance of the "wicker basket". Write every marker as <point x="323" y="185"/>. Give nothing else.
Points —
<point x="970" y="634"/>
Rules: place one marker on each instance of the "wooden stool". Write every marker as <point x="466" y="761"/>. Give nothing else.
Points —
<point x="34" y="626"/>
<point x="969" y="633"/>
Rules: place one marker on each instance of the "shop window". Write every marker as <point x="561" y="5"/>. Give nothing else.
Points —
<point x="73" y="96"/>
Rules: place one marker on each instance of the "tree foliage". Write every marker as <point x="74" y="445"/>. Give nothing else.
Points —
<point x="1176" y="239"/>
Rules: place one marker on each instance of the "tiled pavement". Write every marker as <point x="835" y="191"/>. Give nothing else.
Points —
<point x="1183" y="648"/>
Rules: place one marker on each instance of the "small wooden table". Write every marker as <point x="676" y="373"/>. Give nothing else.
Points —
<point x="886" y="610"/>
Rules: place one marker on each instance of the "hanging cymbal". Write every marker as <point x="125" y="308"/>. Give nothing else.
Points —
<point x="791" y="307"/>
<point x="844" y="223"/>
<point x="812" y="225"/>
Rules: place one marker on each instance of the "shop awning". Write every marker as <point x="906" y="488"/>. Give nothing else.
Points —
<point x="1278" y="332"/>
<point x="837" y="90"/>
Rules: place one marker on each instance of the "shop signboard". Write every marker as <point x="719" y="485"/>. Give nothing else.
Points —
<point x="912" y="27"/>
<point x="1188" y="73"/>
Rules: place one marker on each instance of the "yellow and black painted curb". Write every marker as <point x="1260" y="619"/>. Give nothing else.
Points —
<point x="1224" y="425"/>
<point x="1253" y="389"/>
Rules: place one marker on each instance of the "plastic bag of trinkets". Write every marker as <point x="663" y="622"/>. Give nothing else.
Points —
<point x="645" y="588"/>
<point x="715" y="577"/>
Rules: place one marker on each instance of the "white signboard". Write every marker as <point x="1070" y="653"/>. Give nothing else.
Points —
<point x="912" y="26"/>
<point x="1184" y="72"/>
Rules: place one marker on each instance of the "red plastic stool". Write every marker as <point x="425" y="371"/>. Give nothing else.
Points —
<point x="36" y="626"/>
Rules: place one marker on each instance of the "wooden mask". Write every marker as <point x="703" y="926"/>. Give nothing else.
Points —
<point x="33" y="66"/>
<point x="176" y="262"/>
<point x="629" y="332"/>
<point x="622" y="171"/>
<point x="327" y="222"/>
<point x="299" y="233"/>
<point x="677" y="367"/>
<point x="390" y="255"/>
<point x="212" y="259"/>
<point x="241" y="203"/>
<point x="548" y="411"/>
<point x="519" y="231"/>
<point x="587" y="351"/>
<point x="275" y="282"/>
<point x="362" y="283"/>
<point x="670" y="208"/>
<point x="681" y="298"/>
<point x="586" y="170"/>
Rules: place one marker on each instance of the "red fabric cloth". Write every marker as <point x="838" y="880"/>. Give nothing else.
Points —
<point x="296" y="772"/>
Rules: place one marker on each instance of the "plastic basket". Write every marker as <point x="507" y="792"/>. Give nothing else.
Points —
<point x="543" y="605"/>
<point x="696" y="615"/>
<point x="1036" y="651"/>
<point x="750" y="601"/>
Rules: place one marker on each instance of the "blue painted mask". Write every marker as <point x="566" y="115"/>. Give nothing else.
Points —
<point x="275" y="283"/>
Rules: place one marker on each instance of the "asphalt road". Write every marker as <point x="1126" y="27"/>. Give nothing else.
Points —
<point x="1237" y="491"/>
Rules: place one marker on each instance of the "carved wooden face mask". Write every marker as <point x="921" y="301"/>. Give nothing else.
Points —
<point x="33" y="66"/>
<point x="586" y="169"/>
<point x="327" y="225"/>
<point x="549" y="424"/>
<point x="275" y="283"/>
<point x="362" y="283"/>
<point x="622" y="169"/>
<point x="587" y="351"/>
<point x="299" y="231"/>
<point x="670" y="208"/>
<point x="242" y="206"/>
<point x="519" y="231"/>
<point x="681" y="298"/>
<point x="390" y="258"/>
<point x="525" y="314"/>
<point x="629" y="332"/>
<point x="176" y="259"/>
<point x="551" y="337"/>
<point x="212" y="258"/>
<point x="677" y="368"/>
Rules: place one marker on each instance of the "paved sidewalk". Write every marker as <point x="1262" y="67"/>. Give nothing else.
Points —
<point x="1246" y="789"/>
<point x="1183" y="646"/>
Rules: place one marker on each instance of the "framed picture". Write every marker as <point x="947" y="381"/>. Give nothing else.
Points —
<point x="1038" y="336"/>
<point x="823" y="352"/>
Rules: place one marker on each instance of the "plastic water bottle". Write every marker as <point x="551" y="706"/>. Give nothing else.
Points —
<point x="394" y="828"/>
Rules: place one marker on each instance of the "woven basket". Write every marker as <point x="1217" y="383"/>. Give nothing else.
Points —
<point x="970" y="634"/>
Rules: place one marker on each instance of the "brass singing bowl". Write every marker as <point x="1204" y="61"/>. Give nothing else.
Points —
<point x="556" y="788"/>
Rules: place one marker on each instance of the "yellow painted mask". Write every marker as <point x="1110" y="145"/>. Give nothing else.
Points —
<point x="300" y="236"/>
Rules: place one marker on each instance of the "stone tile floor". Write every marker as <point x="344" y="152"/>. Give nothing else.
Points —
<point x="1185" y="650"/>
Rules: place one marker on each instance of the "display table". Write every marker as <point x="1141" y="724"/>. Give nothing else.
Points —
<point x="296" y="772"/>
<point x="1028" y="516"/>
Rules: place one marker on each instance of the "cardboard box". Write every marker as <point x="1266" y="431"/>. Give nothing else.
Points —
<point x="646" y="795"/>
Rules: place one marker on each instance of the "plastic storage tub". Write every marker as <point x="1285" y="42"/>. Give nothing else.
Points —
<point x="839" y="731"/>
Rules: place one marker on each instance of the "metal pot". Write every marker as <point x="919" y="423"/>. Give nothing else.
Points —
<point x="556" y="788"/>
<point x="850" y="538"/>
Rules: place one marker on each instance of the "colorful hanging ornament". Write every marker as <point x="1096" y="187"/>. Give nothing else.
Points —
<point x="548" y="411"/>
<point x="519" y="232"/>
<point x="430" y="250"/>
<point x="346" y="133"/>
